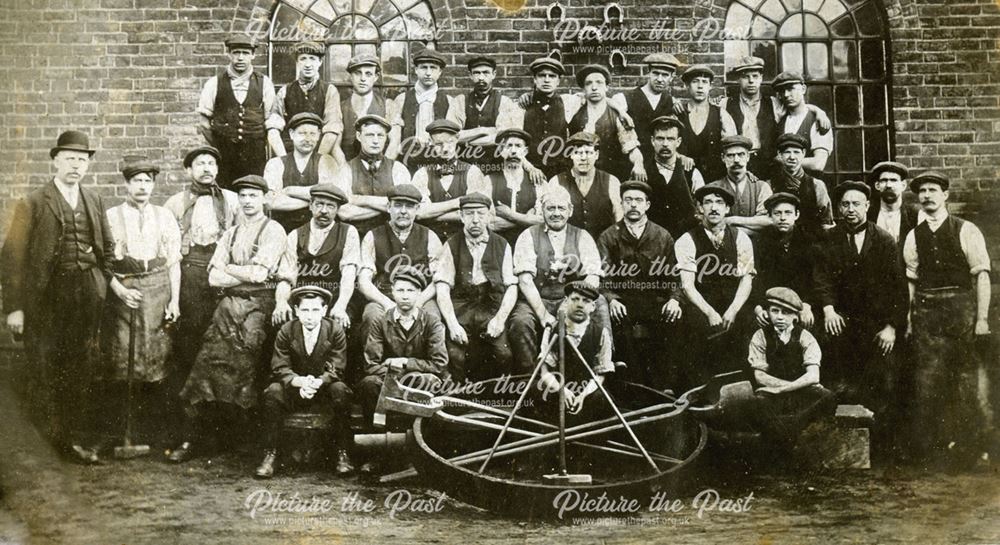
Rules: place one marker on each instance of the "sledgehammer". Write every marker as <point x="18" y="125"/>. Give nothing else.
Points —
<point x="128" y="450"/>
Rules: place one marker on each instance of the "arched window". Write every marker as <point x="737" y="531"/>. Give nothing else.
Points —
<point x="386" y="28"/>
<point x="842" y="49"/>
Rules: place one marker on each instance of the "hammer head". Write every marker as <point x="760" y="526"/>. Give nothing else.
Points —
<point x="127" y="452"/>
<point x="402" y="399"/>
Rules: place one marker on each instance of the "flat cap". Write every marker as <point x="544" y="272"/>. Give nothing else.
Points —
<point x="747" y="64"/>
<point x="443" y="125"/>
<point x="405" y="192"/>
<point x="736" y="140"/>
<point x="364" y="59"/>
<point x="581" y="74"/>
<point x="429" y="56"/>
<point x="240" y="41"/>
<point x="547" y="63"/>
<point x="369" y="119"/>
<point x="309" y="48"/>
<point x="785" y="298"/>
<point x="72" y="141"/>
<point x="481" y="60"/>
<point x="665" y="122"/>
<point x="782" y="197"/>
<point x="474" y="200"/>
<point x="791" y="139"/>
<point x="302" y="118"/>
<point x="929" y="177"/>
<point x="697" y="70"/>
<point x="203" y="150"/>
<point x="581" y="287"/>
<point x="661" y="60"/>
<point x="787" y="78"/>
<point x="329" y="191"/>
<point x="310" y="291"/>
<point x="890" y="166"/>
<point x="517" y="133"/>
<point x="638" y="186"/>
<point x="583" y="138"/>
<point x="250" y="181"/>
<point x="411" y="275"/>
<point x="712" y="189"/>
<point x="138" y="165"/>
<point x="851" y="185"/>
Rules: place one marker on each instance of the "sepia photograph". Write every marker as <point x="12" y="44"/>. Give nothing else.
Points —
<point x="500" y="271"/>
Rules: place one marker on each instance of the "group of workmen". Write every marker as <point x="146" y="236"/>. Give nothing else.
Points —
<point x="443" y="238"/>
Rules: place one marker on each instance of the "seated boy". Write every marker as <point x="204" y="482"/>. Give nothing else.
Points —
<point x="785" y="359"/>
<point x="307" y="371"/>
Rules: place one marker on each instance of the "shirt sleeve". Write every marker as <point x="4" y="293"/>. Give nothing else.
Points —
<point x="327" y="169"/>
<point x="626" y="136"/>
<point x="604" y="364"/>
<point x="476" y="182"/>
<point x="221" y="256"/>
<point x="823" y="202"/>
<point x="744" y="254"/>
<point x="352" y="251"/>
<point x="456" y="110"/>
<point x="615" y="194"/>
<point x="206" y="101"/>
<point x="571" y="105"/>
<point x="272" y="247"/>
<point x="400" y="175"/>
<point x="910" y="257"/>
<point x="728" y="125"/>
<point x="170" y="241"/>
<point x="763" y="193"/>
<point x="684" y="251"/>
<point x="757" y="354"/>
<point x="507" y="268"/>
<point x="510" y="116"/>
<point x="274" y="172"/>
<point x="276" y="119"/>
<point x="590" y="258"/>
<point x="420" y="182"/>
<point x="820" y="141"/>
<point x="433" y="251"/>
<point x="524" y="254"/>
<point x="974" y="246"/>
<point x="367" y="257"/>
<point x="811" y="352"/>
<point x="394" y="110"/>
<point x="697" y="180"/>
<point x="292" y="245"/>
<point x="446" y="268"/>
<point x="619" y="101"/>
<point x="269" y="96"/>
<point x="333" y="118"/>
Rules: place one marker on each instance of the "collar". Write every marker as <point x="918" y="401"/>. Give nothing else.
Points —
<point x="785" y="335"/>
<point x="933" y="220"/>
<point x="852" y="230"/>
<point x="552" y="232"/>
<point x="321" y="230"/>
<point x="637" y="227"/>
<point x="262" y="217"/>
<point x="481" y="97"/>
<point x="540" y="98"/>
<point x="239" y="77"/>
<point x="309" y="85"/>
<point x="398" y="316"/>
<point x="577" y="329"/>
<point x="588" y="177"/>
<point x="890" y="208"/>
<point x="135" y="206"/>
<point x="481" y="240"/>
<point x="425" y="95"/>
<point x="718" y="233"/>
<point x="400" y="234"/>
<point x="753" y="103"/>
<point x="650" y="93"/>
<point x="310" y="332"/>
<point x="670" y="166"/>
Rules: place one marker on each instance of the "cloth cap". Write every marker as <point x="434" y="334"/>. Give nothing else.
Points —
<point x="931" y="177"/>
<point x="138" y="165"/>
<point x="746" y="64"/>
<point x="782" y="197"/>
<point x="697" y="70"/>
<point x="328" y="191"/>
<point x="405" y="192"/>
<point x="581" y="287"/>
<point x="474" y="200"/>
<point x="581" y="74"/>
<point x="480" y="61"/>
<point x="309" y="48"/>
<point x="890" y="166"/>
<point x="250" y="181"/>
<point x="839" y="190"/>
<point x="303" y="118"/>
<point x="411" y="275"/>
<point x="547" y="63"/>
<point x="371" y="118"/>
<point x="637" y="185"/>
<point x="431" y="56"/>
<point x="302" y="291"/>
<point x="787" y="78"/>
<point x="710" y="189"/>
<point x="736" y="140"/>
<point x="203" y="150"/>
<point x="506" y="133"/>
<point x="662" y="60"/>
<point x="240" y="41"/>
<point x="791" y="139"/>
<point x="785" y="298"/>
<point x="443" y="125"/>
<point x="365" y="59"/>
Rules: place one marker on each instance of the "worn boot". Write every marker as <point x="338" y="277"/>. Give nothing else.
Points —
<point x="181" y="454"/>
<point x="266" y="468"/>
<point x="344" y="465"/>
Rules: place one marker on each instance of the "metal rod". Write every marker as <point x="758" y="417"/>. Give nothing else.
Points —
<point x="562" y="396"/>
<point x="129" y="377"/>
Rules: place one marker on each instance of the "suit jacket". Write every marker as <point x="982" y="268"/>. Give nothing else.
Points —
<point x="423" y="345"/>
<point x="29" y="254"/>
<point x="290" y="359"/>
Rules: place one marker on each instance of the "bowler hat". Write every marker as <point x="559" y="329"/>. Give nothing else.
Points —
<point x="72" y="141"/>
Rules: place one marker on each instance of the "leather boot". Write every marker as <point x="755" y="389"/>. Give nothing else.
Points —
<point x="344" y="465"/>
<point x="266" y="468"/>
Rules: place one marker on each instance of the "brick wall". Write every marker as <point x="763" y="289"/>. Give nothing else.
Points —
<point x="129" y="71"/>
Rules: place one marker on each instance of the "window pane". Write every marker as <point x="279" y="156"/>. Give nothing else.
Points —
<point x="383" y="11"/>
<point x="365" y="49"/>
<point x="848" y="106"/>
<point x="301" y="5"/>
<point x="282" y="63"/>
<point x="876" y="147"/>
<point x="363" y="6"/>
<point x="793" y="5"/>
<point x="812" y="5"/>
<point x="735" y="49"/>
<point x="419" y="23"/>
<point x="335" y="63"/>
<point x="791" y="57"/>
<point x="848" y="149"/>
<point x="845" y="60"/>
<point x="815" y="27"/>
<point x="872" y="60"/>
<point x="364" y="30"/>
<point x="821" y="96"/>
<point x="868" y="20"/>
<point x="769" y="52"/>
<point x="285" y="25"/>
<point x="792" y="28"/>
<point x="342" y="6"/>
<point x="312" y="30"/>
<point x="342" y="30"/>
<point x="394" y="63"/>
<point x="832" y="9"/>
<point x="738" y="16"/>
<point x="773" y="10"/>
<point x="394" y="30"/>
<point x="323" y="10"/>
<point x="874" y="101"/>
<point x="762" y="28"/>
<point x="843" y="27"/>
<point x="817" y="62"/>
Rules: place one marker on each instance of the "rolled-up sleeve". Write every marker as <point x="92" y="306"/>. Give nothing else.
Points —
<point x="170" y="237"/>
<point x="367" y="253"/>
<point x="433" y="251"/>
<point x="910" y="257"/>
<point x="276" y="119"/>
<point x="206" y="100"/>
<point x="269" y="97"/>
<point x="744" y="255"/>
<point x="333" y="118"/>
<point x="974" y="246"/>
<point x="812" y="354"/>
<point x="510" y="116"/>
<point x="590" y="257"/>
<point x="352" y="249"/>
<point x="446" y="268"/>
<point x="507" y="268"/>
<point x="757" y="354"/>
<point x="524" y="254"/>
<point x="685" y="252"/>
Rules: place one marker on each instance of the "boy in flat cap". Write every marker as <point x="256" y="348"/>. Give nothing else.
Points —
<point x="651" y="100"/>
<point x="704" y="123"/>
<point x="250" y="264"/>
<point x="748" y="212"/>
<point x="545" y="118"/>
<point x="146" y="282"/>
<point x="412" y="111"/>
<point x="857" y="286"/>
<point x="290" y="177"/>
<point x="894" y="213"/>
<point x="803" y="120"/>
<point x="948" y="269"/>
<point x="364" y="70"/>
<point x="785" y="257"/>
<point x="816" y="209"/>
<point x="308" y="94"/>
<point x="642" y="292"/>
<point x="307" y="372"/>
<point x="235" y="107"/>
<point x="716" y="263"/>
<point x="596" y="194"/>
<point x="56" y="264"/>
<point x="482" y="113"/>
<point x="476" y="291"/>
<point x="514" y="193"/>
<point x="671" y="179"/>
<point x="785" y="359"/>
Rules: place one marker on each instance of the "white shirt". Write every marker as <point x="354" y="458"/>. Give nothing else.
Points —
<point x="859" y="240"/>
<point x="350" y="255"/>
<point x="204" y="225"/>
<point x="446" y="264"/>
<point x="589" y="260"/>
<point x="970" y="238"/>
<point x="889" y="220"/>
<point x="310" y="337"/>
<point x="145" y="234"/>
<point x="819" y="141"/>
<point x="668" y="172"/>
<point x="686" y="253"/>
<point x="70" y="192"/>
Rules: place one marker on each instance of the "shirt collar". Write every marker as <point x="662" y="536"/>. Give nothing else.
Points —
<point x="577" y="329"/>
<point x="398" y="316"/>
<point x="425" y="94"/>
<point x="638" y="228"/>
<point x="320" y="230"/>
<point x="753" y="103"/>
<point x="239" y="78"/>
<point x="784" y="336"/>
<point x="480" y="240"/>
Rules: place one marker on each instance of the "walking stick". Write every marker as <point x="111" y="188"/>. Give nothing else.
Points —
<point x="128" y="450"/>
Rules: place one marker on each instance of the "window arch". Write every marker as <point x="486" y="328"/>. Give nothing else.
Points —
<point x="386" y="28"/>
<point x="841" y="47"/>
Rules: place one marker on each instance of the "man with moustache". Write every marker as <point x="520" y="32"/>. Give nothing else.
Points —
<point x="546" y="258"/>
<point x="863" y="312"/>
<point x="948" y="269"/>
<point x="413" y="110"/>
<point x="55" y="272"/>
<point x="747" y="212"/>
<point x="327" y="252"/>
<point x="476" y="291"/>
<point x="650" y="101"/>
<point x="364" y="70"/>
<point x="146" y="286"/>
<point x="482" y="113"/>
<point x="251" y="266"/>
<point x="643" y="296"/>
<point x="308" y="94"/>
<point x="816" y="210"/>
<point x="716" y="263"/>
<point x="785" y="258"/>
<point x="515" y="195"/>
<point x="893" y="214"/>
<point x="398" y="243"/>
<point x="800" y="119"/>
<point x="671" y="203"/>
<point x="234" y="108"/>
<point x="290" y="177"/>
<point x="595" y="193"/>
<point x="704" y="123"/>
<point x="368" y="178"/>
